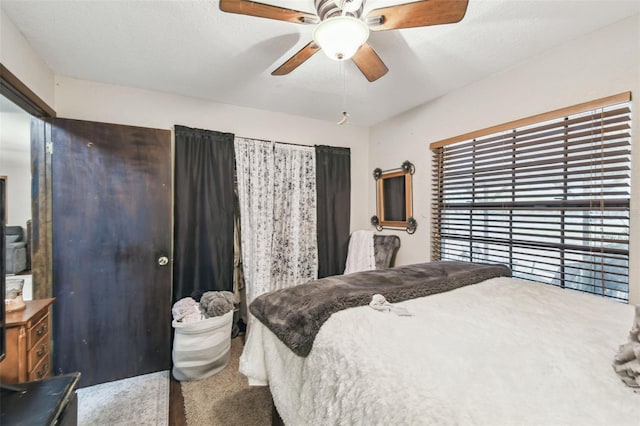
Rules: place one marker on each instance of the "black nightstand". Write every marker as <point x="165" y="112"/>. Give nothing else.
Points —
<point x="51" y="401"/>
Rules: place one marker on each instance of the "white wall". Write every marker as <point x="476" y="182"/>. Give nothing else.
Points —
<point x="16" y="165"/>
<point x="17" y="55"/>
<point x="603" y="63"/>
<point x="85" y="100"/>
<point x="597" y="65"/>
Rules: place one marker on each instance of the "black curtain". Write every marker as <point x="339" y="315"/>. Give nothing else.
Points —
<point x="333" y="183"/>
<point x="203" y="211"/>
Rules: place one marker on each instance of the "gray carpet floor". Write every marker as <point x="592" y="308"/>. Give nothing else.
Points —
<point x="222" y="399"/>
<point x="140" y="400"/>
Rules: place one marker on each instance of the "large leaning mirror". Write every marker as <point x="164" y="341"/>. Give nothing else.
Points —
<point x="394" y="201"/>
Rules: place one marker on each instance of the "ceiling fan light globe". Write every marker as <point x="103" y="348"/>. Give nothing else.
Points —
<point x="341" y="36"/>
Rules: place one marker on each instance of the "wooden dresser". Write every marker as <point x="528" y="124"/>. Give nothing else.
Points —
<point x="28" y="341"/>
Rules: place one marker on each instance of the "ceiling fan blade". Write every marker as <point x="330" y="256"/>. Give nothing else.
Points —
<point x="297" y="59"/>
<point x="368" y="61"/>
<point x="251" y="8"/>
<point x="417" y="14"/>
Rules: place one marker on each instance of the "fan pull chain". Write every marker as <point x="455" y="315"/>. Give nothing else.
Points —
<point x="345" y="114"/>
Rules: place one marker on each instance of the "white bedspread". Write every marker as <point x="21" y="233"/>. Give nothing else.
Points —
<point x="501" y="352"/>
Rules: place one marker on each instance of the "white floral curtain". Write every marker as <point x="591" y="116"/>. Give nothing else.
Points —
<point x="277" y="192"/>
<point x="295" y="241"/>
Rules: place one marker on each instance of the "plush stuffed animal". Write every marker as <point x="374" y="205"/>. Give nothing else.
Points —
<point x="216" y="303"/>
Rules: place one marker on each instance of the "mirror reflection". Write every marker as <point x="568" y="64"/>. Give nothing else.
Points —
<point x="394" y="196"/>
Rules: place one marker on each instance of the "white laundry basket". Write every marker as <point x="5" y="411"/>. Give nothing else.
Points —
<point x="201" y="348"/>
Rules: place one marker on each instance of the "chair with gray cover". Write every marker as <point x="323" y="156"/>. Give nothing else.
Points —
<point x="385" y="248"/>
<point x="16" y="250"/>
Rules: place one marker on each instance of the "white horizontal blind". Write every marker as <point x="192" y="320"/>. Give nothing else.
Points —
<point x="550" y="199"/>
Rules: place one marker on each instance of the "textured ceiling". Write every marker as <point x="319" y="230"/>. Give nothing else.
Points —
<point x="192" y="48"/>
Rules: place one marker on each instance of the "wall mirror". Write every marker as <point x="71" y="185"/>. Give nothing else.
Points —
<point x="394" y="198"/>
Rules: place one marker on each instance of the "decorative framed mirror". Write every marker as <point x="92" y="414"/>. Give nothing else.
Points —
<point x="394" y="198"/>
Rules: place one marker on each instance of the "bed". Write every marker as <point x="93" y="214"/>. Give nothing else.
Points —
<point x="502" y="351"/>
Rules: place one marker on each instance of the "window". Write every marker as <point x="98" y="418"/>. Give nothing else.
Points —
<point x="548" y="195"/>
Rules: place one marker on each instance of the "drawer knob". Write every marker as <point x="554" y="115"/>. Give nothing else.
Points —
<point x="42" y="350"/>
<point x="42" y="372"/>
<point x="41" y="330"/>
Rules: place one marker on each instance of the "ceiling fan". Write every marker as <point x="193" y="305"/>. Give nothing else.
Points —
<point x="342" y="29"/>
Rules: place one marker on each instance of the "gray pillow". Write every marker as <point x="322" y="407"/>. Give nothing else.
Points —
<point x="11" y="238"/>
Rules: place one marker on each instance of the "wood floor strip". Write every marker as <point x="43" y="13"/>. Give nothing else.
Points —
<point x="176" y="404"/>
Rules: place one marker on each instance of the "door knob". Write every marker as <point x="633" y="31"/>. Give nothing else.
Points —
<point x="163" y="260"/>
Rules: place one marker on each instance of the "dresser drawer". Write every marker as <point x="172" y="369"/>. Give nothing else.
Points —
<point x="28" y="343"/>
<point x="36" y="332"/>
<point x="42" y="369"/>
<point x="38" y="351"/>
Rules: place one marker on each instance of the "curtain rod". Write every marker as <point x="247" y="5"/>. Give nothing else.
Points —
<point x="234" y="135"/>
<point x="283" y="143"/>
<point x="261" y="140"/>
<point x="291" y="143"/>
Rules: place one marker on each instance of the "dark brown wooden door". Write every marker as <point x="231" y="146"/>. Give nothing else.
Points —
<point x="111" y="213"/>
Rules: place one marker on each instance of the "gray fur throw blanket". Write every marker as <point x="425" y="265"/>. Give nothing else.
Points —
<point x="627" y="361"/>
<point x="296" y="314"/>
